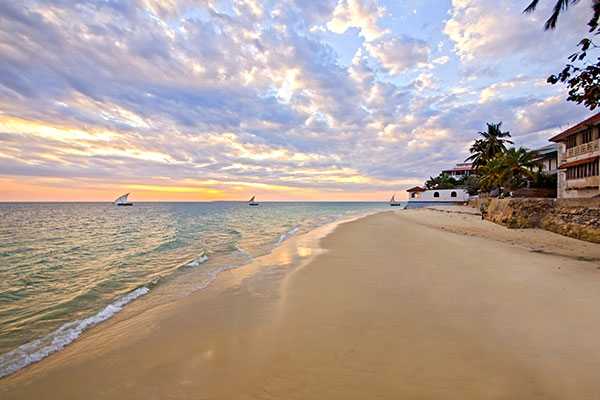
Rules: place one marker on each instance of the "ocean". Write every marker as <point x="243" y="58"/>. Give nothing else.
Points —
<point x="65" y="267"/>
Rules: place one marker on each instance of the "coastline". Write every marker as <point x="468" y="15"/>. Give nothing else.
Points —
<point x="169" y="264"/>
<point x="290" y="251"/>
<point x="399" y="303"/>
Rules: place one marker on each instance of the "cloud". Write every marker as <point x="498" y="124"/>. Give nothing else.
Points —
<point x="484" y="32"/>
<point x="441" y="60"/>
<point x="495" y="89"/>
<point x="227" y="96"/>
<point x="362" y="15"/>
<point x="399" y="53"/>
<point x="425" y="81"/>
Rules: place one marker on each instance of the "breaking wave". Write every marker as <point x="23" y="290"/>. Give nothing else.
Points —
<point x="197" y="261"/>
<point x="57" y="340"/>
<point x="286" y="236"/>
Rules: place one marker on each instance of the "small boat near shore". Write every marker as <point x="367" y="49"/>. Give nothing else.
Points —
<point x="393" y="201"/>
<point x="251" y="202"/>
<point x="122" y="201"/>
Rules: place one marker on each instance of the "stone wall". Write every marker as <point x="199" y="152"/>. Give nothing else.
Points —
<point x="576" y="218"/>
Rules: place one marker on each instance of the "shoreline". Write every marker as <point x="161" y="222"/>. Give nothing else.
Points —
<point x="129" y="308"/>
<point x="395" y="305"/>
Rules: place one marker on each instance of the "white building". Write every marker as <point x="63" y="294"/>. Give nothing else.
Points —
<point x="548" y="157"/>
<point x="459" y="171"/>
<point x="419" y="197"/>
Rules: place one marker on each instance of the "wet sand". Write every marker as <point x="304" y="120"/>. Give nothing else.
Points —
<point x="415" y="304"/>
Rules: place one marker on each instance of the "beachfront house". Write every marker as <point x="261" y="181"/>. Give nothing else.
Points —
<point x="420" y="197"/>
<point x="548" y="157"/>
<point x="459" y="171"/>
<point x="578" y="153"/>
<point x="415" y="193"/>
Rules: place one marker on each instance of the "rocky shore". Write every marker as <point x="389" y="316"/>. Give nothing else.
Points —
<point x="576" y="218"/>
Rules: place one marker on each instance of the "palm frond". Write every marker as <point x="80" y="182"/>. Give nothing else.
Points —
<point x="560" y="6"/>
<point x="531" y="8"/>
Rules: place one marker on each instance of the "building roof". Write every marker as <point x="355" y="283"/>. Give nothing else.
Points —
<point x="592" y="120"/>
<point x="415" y="189"/>
<point x="458" y="169"/>
<point x="551" y="148"/>
<point x="550" y="151"/>
<point x="578" y="162"/>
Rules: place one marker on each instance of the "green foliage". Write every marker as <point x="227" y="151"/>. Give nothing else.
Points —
<point x="511" y="169"/>
<point x="498" y="167"/>
<point x="471" y="183"/>
<point x="491" y="177"/>
<point x="583" y="80"/>
<point x="545" y="181"/>
<point x="490" y="144"/>
<point x="442" y="181"/>
<point x="516" y="167"/>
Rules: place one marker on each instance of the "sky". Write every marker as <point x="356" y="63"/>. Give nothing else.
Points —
<point x="287" y="100"/>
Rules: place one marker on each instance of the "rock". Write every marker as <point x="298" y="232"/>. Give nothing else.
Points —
<point x="576" y="218"/>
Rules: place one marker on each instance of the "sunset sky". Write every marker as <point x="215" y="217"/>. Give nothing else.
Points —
<point x="286" y="100"/>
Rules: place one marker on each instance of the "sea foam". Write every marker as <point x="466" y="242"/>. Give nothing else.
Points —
<point x="197" y="261"/>
<point x="251" y="259"/>
<point x="38" y="349"/>
<point x="286" y="236"/>
<point x="212" y="274"/>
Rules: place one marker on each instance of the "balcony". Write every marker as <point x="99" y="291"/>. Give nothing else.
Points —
<point x="591" y="182"/>
<point x="585" y="148"/>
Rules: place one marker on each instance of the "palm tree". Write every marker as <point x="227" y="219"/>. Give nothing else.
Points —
<point x="477" y="151"/>
<point x="512" y="170"/>
<point x="562" y="5"/>
<point x="486" y="149"/>
<point x="491" y="174"/>
<point x="581" y="75"/>
<point x="516" y="167"/>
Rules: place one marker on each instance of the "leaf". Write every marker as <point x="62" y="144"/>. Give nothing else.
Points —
<point x="585" y="44"/>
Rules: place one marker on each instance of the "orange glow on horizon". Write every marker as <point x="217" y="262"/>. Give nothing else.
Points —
<point x="55" y="189"/>
<point x="94" y="142"/>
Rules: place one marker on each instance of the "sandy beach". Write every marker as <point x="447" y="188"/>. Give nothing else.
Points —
<point x="413" y="304"/>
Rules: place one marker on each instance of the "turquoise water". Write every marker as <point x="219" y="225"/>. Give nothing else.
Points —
<point x="65" y="267"/>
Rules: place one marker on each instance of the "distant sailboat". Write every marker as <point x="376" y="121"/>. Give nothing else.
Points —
<point x="122" y="201"/>
<point x="393" y="201"/>
<point x="251" y="202"/>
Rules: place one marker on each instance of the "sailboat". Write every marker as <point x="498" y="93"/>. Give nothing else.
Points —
<point x="122" y="201"/>
<point x="251" y="202"/>
<point x="393" y="201"/>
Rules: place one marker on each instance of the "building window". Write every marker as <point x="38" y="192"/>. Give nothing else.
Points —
<point x="415" y="195"/>
<point x="453" y="194"/>
<point x="571" y="142"/>
<point x="586" y="136"/>
<point x="583" y="170"/>
<point x="436" y="194"/>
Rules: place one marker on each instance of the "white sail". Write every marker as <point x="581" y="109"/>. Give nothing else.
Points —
<point x="121" y="200"/>
<point x="393" y="201"/>
<point x="251" y="200"/>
